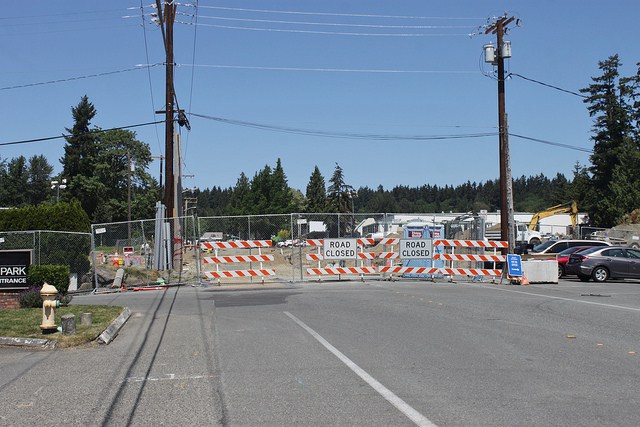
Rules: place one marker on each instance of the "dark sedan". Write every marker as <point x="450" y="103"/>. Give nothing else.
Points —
<point x="563" y="258"/>
<point x="602" y="263"/>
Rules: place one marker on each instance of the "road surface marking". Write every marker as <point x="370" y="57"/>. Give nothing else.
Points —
<point x="168" y="377"/>
<point x="400" y="404"/>
<point x="565" y="299"/>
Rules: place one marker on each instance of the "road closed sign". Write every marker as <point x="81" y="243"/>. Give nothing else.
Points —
<point x="340" y="248"/>
<point x="415" y="248"/>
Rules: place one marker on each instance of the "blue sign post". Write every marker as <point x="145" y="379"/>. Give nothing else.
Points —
<point x="514" y="265"/>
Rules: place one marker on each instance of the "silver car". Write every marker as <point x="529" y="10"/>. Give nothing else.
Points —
<point x="602" y="263"/>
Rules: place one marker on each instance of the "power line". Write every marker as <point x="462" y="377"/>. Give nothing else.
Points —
<point x="61" y="14"/>
<point x="555" y="144"/>
<point x="69" y="79"/>
<point x="332" y="24"/>
<point x="193" y="69"/>
<point x="548" y="85"/>
<point x="335" y="14"/>
<point x="146" y="51"/>
<point x="341" y="135"/>
<point x="332" y="70"/>
<point x="378" y="137"/>
<point x="335" y="33"/>
<point x="96" y="131"/>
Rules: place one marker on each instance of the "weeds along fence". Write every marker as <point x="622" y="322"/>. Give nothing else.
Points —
<point x="52" y="248"/>
<point x="146" y="249"/>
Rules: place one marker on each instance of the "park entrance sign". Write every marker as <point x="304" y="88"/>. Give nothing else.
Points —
<point x="14" y="266"/>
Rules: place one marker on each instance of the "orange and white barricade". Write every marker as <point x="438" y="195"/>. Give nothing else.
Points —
<point x="219" y="260"/>
<point x="339" y="271"/>
<point x="483" y="258"/>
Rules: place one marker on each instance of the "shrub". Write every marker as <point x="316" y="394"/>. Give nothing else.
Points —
<point x="55" y="275"/>
<point x="30" y="298"/>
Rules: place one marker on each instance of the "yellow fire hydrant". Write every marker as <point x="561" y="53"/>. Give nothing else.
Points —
<point x="49" y="304"/>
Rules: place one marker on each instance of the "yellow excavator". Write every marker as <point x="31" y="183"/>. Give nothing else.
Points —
<point x="570" y="208"/>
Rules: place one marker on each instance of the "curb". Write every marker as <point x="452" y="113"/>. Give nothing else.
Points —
<point x="112" y="330"/>
<point x="105" y="337"/>
<point x="28" y="342"/>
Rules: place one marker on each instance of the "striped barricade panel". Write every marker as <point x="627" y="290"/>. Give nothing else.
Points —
<point x="366" y="241"/>
<point x="237" y="244"/>
<point x="472" y="243"/>
<point x="314" y="257"/>
<point x="388" y="255"/>
<point x="315" y="242"/>
<point x="239" y="273"/>
<point x="367" y="255"/>
<point x="470" y="257"/>
<point x="336" y="271"/>
<point x="237" y="258"/>
<point x="409" y="270"/>
<point x="389" y="241"/>
<point x="470" y="272"/>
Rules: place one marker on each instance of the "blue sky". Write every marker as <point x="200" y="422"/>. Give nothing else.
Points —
<point x="316" y="78"/>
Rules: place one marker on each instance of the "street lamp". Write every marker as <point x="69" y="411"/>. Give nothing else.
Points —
<point x="59" y="185"/>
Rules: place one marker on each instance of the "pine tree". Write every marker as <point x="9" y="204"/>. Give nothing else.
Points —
<point x="280" y="200"/>
<point x="316" y="193"/>
<point x="39" y="180"/>
<point x="239" y="202"/>
<point x="608" y="104"/>
<point x="81" y="143"/>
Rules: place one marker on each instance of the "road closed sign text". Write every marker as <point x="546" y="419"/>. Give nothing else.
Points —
<point x="415" y="248"/>
<point x="340" y="248"/>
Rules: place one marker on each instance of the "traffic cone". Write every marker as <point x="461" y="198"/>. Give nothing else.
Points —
<point x="524" y="281"/>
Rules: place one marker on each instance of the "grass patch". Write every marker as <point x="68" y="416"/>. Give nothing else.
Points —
<point x="25" y="323"/>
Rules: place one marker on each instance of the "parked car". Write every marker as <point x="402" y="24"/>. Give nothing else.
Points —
<point x="603" y="263"/>
<point x="563" y="258"/>
<point x="552" y="247"/>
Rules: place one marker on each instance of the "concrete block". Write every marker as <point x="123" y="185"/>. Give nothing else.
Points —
<point x="541" y="271"/>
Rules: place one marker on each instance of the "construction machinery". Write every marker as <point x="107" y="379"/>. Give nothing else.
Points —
<point x="571" y="208"/>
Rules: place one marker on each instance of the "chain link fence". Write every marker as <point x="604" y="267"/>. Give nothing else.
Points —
<point x="134" y="246"/>
<point x="291" y="253"/>
<point x="149" y="251"/>
<point x="53" y="248"/>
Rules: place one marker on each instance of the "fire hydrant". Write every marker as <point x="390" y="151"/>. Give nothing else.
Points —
<point x="49" y="304"/>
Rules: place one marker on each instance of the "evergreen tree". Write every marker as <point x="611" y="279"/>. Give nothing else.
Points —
<point x="340" y="200"/>
<point x="39" y="180"/>
<point x="96" y="165"/>
<point x="239" y="202"/>
<point x="280" y="200"/>
<point x="16" y="181"/>
<point x="316" y="192"/>
<point x="607" y="105"/>
<point x="81" y="143"/>
<point x="339" y="193"/>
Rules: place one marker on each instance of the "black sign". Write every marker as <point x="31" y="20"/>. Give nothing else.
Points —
<point x="14" y="266"/>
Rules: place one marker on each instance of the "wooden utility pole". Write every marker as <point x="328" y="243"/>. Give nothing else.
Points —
<point x="169" y="16"/>
<point x="507" y="229"/>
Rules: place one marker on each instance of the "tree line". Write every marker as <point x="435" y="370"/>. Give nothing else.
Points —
<point x="97" y="166"/>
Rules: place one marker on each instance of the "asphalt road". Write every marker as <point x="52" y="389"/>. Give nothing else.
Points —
<point x="349" y="353"/>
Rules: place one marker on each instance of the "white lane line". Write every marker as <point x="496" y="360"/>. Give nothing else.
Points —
<point x="400" y="404"/>
<point x="621" y="307"/>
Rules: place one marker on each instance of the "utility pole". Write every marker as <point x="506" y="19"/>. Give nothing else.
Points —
<point x="169" y="16"/>
<point x="129" y="170"/>
<point x="503" y="49"/>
